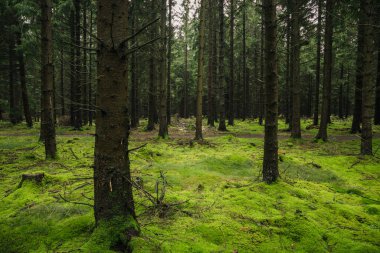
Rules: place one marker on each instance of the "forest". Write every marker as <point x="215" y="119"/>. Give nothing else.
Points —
<point x="189" y="126"/>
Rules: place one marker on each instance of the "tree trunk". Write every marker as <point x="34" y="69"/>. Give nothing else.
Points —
<point x="318" y="66"/>
<point x="340" y="105"/>
<point x="377" y="103"/>
<point x="295" y="68"/>
<point x="72" y="68"/>
<point x="85" y="69"/>
<point x="222" y="81"/>
<point x="163" y="121"/>
<point x="134" y="77"/>
<point x="270" y="163"/>
<point x="47" y="79"/>
<point x="170" y="41"/>
<point x="113" y="198"/>
<point x="357" y="117"/>
<point x="62" y="82"/>
<point x="322" y="133"/>
<point x="231" y="59"/>
<point x="14" y="105"/>
<point x="367" y="12"/>
<point x="212" y="58"/>
<point x="201" y="56"/>
<point x="262" y="92"/>
<point x="24" y="90"/>
<point x="90" y="106"/>
<point x="78" y="83"/>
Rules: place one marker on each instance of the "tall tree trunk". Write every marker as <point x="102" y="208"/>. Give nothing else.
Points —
<point x="62" y="82"/>
<point x="14" y="105"/>
<point x="287" y="74"/>
<point x="357" y="117"/>
<point x="212" y="58"/>
<point x="262" y="92"/>
<point x="134" y="77"/>
<point x="232" y="65"/>
<point x="367" y="10"/>
<point x="90" y="106"/>
<point x="78" y="83"/>
<point x="222" y="81"/>
<point x="163" y="121"/>
<point x="24" y="90"/>
<point x="270" y="164"/>
<point x="377" y="103"/>
<point x="340" y="105"/>
<point x="47" y="79"/>
<point x="245" y="82"/>
<point x="170" y="42"/>
<point x="113" y="198"/>
<point x="152" y="96"/>
<point x="72" y="68"/>
<point x="185" y="110"/>
<point x="85" y="68"/>
<point x="318" y="65"/>
<point x="201" y="78"/>
<point x="322" y="133"/>
<point x="295" y="68"/>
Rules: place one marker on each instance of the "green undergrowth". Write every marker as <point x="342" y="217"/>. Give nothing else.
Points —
<point x="327" y="199"/>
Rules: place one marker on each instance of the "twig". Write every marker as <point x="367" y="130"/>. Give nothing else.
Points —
<point x="134" y="149"/>
<point x="72" y="152"/>
<point x="74" y="202"/>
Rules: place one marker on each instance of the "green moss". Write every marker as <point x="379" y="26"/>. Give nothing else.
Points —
<point x="325" y="201"/>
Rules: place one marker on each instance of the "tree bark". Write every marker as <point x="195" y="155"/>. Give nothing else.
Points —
<point x="47" y="79"/>
<point x="170" y="42"/>
<point x="367" y="12"/>
<point x="295" y="68"/>
<point x="231" y="59"/>
<point x="77" y="64"/>
<point x="113" y="198"/>
<point x="72" y="68"/>
<point x="163" y="121"/>
<point x="134" y="77"/>
<point x="201" y="55"/>
<point x="322" y="133"/>
<point x="318" y="65"/>
<point x="222" y="81"/>
<point x="212" y="62"/>
<point x="84" y="86"/>
<point x="270" y="163"/>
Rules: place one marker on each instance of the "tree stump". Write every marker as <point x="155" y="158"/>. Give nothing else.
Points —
<point x="31" y="177"/>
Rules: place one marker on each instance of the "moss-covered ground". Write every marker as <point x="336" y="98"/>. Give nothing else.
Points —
<point x="327" y="200"/>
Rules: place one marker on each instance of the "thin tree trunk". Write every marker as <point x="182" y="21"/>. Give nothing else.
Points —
<point x="170" y="41"/>
<point x="85" y="69"/>
<point x="47" y="79"/>
<point x="72" y="68"/>
<point x="90" y="106"/>
<point x="78" y="83"/>
<point x="163" y="121"/>
<point x="201" y="56"/>
<point x="113" y="198"/>
<point x="322" y="133"/>
<point x="262" y="92"/>
<point x="232" y="65"/>
<point x="152" y="96"/>
<point x="270" y="163"/>
<point x="295" y="68"/>
<point x="62" y="83"/>
<point x="134" y="77"/>
<point x="357" y="117"/>
<point x="340" y="105"/>
<point x="318" y="66"/>
<point x="222" y="81"/>
<point x="212" y="58"/>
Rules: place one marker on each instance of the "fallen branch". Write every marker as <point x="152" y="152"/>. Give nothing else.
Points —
<point x="74" y="202"/>
<point x="134" y="149"/>
<point x="72" y="152"/>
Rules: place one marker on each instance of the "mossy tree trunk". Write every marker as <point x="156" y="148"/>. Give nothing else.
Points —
<point x="270" y="164"/>
<point x="47" y="79"/>
<point x="367" y="12"/>
<point x="113" y="197"/>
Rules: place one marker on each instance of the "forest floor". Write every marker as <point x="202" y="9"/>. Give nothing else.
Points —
<point x="327" y="199"/>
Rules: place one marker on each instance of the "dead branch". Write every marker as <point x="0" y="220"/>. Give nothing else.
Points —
<point x="74" y="202"/>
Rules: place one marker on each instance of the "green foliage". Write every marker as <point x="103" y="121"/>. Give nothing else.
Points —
<point x="326" y="200"/>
